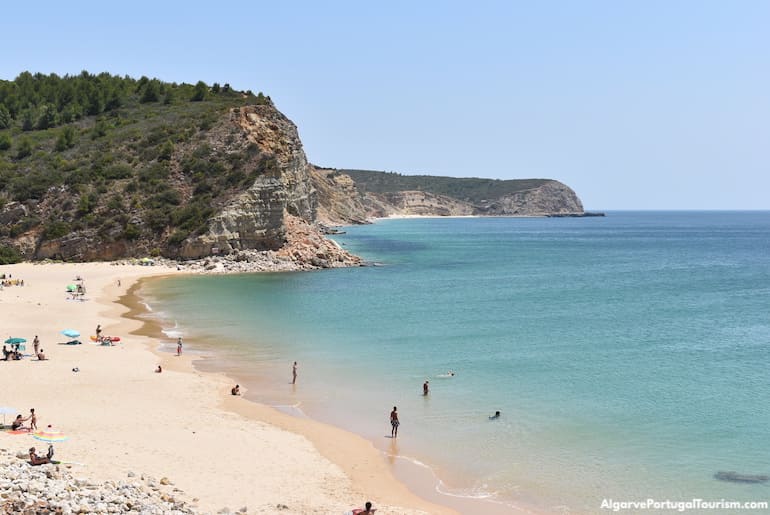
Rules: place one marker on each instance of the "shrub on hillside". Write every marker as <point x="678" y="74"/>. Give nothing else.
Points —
<point x="55" y="229"/>
<point x="9" y="255"/>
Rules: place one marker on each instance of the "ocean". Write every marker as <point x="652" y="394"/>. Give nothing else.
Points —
<point x="628" y="355"/>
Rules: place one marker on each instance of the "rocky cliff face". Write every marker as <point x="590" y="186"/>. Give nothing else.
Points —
<point x="271" y="216"/>
<point x="255" y="218"/>
<point x="415" y="203"/>
<point x="551" y="198"/>
<point x="343" y="203"/>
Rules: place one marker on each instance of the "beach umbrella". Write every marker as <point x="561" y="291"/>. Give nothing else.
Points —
<point x="70" y="333"/>
<point x="7" y="410"/>
<point x="49" y="435"/>
<point x="14" y="341"/>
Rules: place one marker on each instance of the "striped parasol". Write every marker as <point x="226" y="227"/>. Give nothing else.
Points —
<point x="49" y="435"/>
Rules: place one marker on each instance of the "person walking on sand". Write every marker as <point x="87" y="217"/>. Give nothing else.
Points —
<point x="425" y="388"/>
<point x="394" y="423"/>
<point x="179" y="346"/>
<point x="294" y="373"/>
<point x="36" y="344"/>
<point x="98" y="332"/>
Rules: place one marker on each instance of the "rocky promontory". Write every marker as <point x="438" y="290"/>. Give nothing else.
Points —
<point x="205" y="173"/>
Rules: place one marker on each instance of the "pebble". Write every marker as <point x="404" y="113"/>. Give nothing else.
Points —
<point x="49" y="489"/>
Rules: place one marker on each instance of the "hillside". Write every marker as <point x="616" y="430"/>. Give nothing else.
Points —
<point x="381" y="194"/>
<point x="100" y="167"/>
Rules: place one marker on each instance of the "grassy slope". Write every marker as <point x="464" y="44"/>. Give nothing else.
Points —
<point x="473" y="190"/>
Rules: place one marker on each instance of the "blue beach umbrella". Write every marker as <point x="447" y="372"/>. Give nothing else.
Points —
<point x="70" y="333"/>
<point x="14" y="341"/>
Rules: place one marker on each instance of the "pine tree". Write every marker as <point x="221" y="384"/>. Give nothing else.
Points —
<point x="200" y="91"/>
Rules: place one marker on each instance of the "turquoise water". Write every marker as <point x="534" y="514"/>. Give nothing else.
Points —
<point x="627" y="354"/>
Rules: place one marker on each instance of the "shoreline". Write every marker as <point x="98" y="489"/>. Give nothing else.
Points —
<point x="418" y="477"/>
<point x="363" y="463"/>
<point x="181" y="424"/>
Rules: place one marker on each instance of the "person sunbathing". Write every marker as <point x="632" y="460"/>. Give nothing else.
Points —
<point x="41" y="355"/>
<point x="34" y="459"/>
<point x="18" y="424"/>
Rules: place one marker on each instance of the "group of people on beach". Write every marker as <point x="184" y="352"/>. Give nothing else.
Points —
<point x="11" y="354"/>
<point x="14" y="352"/>
<point x="104" y="339"/>
<point x="8" y="280"/>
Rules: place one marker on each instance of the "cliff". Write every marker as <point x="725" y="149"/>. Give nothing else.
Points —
<point x="352" y="196"/>
<point x="221" y="174"/>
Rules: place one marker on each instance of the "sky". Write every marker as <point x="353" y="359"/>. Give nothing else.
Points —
<point x="634" y="105"/>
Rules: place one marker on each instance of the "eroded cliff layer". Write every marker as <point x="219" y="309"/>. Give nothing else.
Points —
<point x="350" y="197"/>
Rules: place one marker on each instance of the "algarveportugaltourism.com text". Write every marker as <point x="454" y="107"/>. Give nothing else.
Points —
<point x="682" y="506"/>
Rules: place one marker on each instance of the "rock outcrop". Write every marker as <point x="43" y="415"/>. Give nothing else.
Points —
<point x="550" y="198"/>
<point x="254" y="219"/>
<point x="345" y="202"/>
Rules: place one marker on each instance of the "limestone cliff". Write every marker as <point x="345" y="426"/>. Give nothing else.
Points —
<point x="278" y="210"/>
<point x="254" y="219"/>
<point x="346" y="200"/>
<point x="236" y="184"/>
<point x="549" y="198"/>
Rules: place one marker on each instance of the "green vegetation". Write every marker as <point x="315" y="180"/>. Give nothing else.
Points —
<point x="9" y="255"/>
<point x="471" y="190"/>
<point x="115" y="158"/>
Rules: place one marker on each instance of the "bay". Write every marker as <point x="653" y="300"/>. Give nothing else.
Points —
<point x="627" y="354"/>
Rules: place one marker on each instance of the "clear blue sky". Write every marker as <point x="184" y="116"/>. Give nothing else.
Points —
<point x="635" y="105"/>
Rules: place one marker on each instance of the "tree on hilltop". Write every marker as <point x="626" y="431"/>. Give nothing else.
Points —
<point x="200" y="91"/>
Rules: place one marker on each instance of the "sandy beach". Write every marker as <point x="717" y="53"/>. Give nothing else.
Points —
<point x="125" y="420"/>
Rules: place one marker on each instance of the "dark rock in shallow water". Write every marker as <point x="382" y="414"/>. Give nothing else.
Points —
<point x="734" y="477"/>
<point x="575" y="215"/>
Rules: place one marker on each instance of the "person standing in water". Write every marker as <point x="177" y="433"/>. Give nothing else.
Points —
<point x="425" y="388"/>
<point x="394" y="423"/>
<point x="179" y="346"/>
<point x="294" y="373"/>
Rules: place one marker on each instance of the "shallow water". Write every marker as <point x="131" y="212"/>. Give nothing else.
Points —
<point x="627" y="354"/>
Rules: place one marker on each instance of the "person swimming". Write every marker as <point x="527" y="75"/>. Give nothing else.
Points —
<point x="495" y="416"/>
